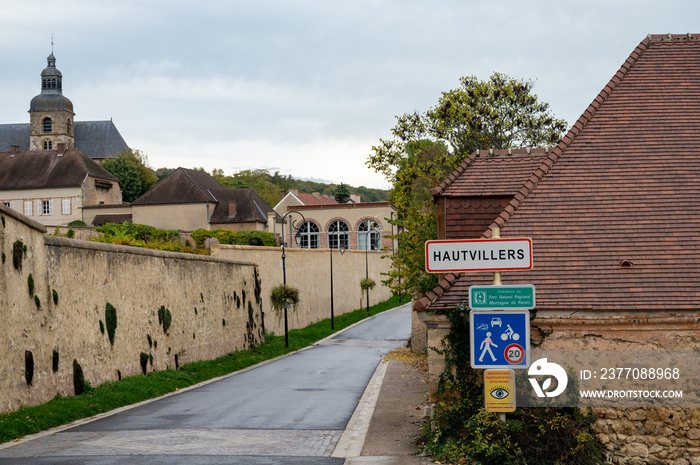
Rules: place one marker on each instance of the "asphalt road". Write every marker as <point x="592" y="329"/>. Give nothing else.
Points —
<point x="290" y="411"/>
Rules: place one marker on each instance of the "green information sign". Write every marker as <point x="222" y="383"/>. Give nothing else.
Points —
<point x="517" y="297"/>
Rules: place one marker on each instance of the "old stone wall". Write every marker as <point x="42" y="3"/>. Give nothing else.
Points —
<point x="631" y="436"/>
<point x="309" y="271"/>
<point x="59" y="299"/>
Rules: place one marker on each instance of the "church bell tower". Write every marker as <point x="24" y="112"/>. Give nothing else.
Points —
<point x="50" y="113"/>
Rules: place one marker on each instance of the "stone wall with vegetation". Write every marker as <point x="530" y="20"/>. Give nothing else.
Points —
<point x="112" y="311"/>
<point x="309" y="271"/>
<point x="630" y="436"/>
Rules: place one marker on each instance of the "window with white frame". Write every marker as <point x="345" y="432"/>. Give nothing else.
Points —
<point x="369" y="235"/>
<point x="65" y="206"/>
<point x="46" y="207"/>
<point x="27" y="208"/>
<point x="338" y="236"/>
<point x="308" y="235"/>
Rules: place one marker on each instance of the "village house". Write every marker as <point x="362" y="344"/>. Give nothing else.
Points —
<point x="329" y="224"/>
<point x="612" y="215"/>
<point x="187" y="200"/>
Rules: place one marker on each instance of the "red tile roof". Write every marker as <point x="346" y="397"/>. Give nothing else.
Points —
<point x="492" y="173"/>
<point x="315" y="199"/>
<point x="622" y="186"/>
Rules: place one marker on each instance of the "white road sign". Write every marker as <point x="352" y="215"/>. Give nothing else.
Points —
<point x="446" y="256"/>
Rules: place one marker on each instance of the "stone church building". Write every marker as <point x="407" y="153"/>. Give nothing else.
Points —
<point x="51" y="122"/>
<point x="48" y="167"/>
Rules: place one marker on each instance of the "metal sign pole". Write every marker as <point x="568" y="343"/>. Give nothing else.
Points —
<point x="496" y="234"/>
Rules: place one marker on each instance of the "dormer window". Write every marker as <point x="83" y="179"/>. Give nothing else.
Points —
<point x="47" y="125"/>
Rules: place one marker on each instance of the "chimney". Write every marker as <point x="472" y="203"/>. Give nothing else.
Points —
<point x="231" y="208"/>
<point x="317" y="195"/>
<point x="14" y="149"/>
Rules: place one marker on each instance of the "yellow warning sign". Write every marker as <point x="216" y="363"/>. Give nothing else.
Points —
<point x="499" y="390"/>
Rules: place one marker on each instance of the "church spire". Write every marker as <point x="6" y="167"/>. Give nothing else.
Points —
<point x="51" y="114"/>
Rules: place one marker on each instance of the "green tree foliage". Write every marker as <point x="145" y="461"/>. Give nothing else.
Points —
<point x="499" y="113"/>
<point x="341" y="194"/>
<point x="130" y="167"/>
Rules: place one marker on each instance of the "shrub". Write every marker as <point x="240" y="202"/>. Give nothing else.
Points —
<point x="30" y="284"/>
<point x="77" y="224"/>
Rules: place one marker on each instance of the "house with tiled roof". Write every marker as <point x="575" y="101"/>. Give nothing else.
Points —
<point x="322" y="222"/>
<point x="614" y="220"/>
<point x="191" y="199"/>
<point x="53" y="187"/>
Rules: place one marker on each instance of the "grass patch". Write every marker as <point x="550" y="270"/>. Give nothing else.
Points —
<point x="115" y="394"/>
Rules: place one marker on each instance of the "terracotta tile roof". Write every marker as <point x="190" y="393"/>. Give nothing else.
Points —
<point x="495" y="172"/>
<point x="620" y="189"/>
<point x="181" y="186"/>
<point x="48" y="169"/>
<point x="315" y="199"/>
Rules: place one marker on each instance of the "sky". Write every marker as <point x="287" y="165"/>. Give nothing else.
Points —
<point x="306" y="88"/>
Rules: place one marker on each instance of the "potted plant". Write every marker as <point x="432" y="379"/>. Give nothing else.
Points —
<point x="367" y="284"/>
<point x="284" y="296"/>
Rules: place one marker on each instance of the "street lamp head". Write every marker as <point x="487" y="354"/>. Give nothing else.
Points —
<point x="342" y="250"/>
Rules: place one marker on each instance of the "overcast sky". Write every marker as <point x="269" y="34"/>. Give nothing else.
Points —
<point x="306" y="87"/>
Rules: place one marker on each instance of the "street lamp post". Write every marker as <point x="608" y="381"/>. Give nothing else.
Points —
<point x="367" y="247"/>
<point x="284" y="266"/>
<point x="342" y="251"/>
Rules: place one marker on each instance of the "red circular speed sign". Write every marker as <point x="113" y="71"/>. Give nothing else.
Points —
<point x="514" y="354"/>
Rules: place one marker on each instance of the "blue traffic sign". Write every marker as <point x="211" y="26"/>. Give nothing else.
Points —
<point x="500" y="339"/>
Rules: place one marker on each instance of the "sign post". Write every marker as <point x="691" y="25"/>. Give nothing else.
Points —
<point x="499" y="318"/>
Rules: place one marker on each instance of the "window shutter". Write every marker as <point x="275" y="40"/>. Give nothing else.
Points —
<point x="39" y="209"/>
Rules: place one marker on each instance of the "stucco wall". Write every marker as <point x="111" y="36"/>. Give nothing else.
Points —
<point x="212" y="302"/>
<point x="186" y="217"/>
<point x="309" y="271"/>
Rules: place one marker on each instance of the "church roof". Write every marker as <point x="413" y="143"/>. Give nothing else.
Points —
<point x="611" y="210"/>
<point x="48" y="169"/>
<point x="97" y="139"/>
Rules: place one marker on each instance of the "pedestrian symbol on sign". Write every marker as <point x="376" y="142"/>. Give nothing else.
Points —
<point x="486" y="345"/>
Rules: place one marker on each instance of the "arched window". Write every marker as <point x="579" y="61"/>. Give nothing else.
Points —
<point x="369" y="235"/>
<point x="307" y="237"/>
<point x="69" y="127"/>
<point x="47" y="125"/>
<point x="338" y="235"/>
<point x="48" y="145"/>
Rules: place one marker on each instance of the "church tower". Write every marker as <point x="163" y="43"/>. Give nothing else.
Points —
<point x="50" y="113"/>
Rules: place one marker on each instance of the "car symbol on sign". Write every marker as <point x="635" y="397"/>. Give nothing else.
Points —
<point x="496" y="322"/>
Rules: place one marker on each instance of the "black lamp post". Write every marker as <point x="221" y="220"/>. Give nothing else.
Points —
<point x="342" y="251"/>
<point x="368" y="245"/>
<point x="284" y="266"/>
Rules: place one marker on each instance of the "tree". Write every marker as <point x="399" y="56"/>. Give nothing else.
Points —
<point x="499" y="113"/>
<point x="130" y="167"/>
<point x="341" y="194"/>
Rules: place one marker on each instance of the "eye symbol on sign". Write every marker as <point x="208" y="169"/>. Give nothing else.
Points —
<point x="499" y="393"/>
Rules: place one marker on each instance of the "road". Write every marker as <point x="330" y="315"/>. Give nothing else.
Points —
<point x="289" y="411"/>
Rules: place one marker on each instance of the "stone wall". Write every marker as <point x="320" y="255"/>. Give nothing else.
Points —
<point x="631" y="436"/>
<point x="60" y="314"/>
<point x="309" y="271"/>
